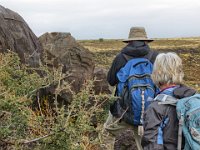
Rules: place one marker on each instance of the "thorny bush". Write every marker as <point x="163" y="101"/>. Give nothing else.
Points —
<point x="68" y="128"/>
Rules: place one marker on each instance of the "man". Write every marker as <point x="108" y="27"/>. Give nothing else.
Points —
<point x="137" y="47"/>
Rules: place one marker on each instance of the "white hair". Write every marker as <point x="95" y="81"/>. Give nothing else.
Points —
<point x="167" y="69"/>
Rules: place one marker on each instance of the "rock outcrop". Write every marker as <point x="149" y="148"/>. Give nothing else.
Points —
<point x="100" y="83"/>
<point x="77" y="62"/>
<point x="16" y="36"/>
<point x="54" y="49"/>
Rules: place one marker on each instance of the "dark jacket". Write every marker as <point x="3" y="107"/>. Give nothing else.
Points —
<point x="136" y="49"/>
<point x="156" y="115"/>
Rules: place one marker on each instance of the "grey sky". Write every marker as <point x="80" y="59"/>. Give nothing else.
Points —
<point x="93" y="19"/>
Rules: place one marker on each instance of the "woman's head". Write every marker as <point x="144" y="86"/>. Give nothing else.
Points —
<point x="167" y="69"/>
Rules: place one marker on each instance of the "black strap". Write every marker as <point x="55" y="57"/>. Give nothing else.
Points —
<point x="127" y="57"/>
<point x="151" y="56"/>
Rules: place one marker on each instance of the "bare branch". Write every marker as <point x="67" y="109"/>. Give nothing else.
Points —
<point x="39" y="138"/>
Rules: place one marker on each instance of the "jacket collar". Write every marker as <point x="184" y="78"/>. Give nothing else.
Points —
<point x="136" y="49"/>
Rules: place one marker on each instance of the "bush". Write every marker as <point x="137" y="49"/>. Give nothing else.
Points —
<point x="101" y="39"/>
<point x="67" y="127"/>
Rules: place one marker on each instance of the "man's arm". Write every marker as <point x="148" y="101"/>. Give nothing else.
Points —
<point x="117" y="64"/>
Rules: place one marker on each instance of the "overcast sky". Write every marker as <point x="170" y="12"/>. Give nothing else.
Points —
<point x="93" y="19"/>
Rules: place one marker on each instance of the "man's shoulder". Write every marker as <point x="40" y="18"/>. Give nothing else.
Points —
<point x="152" y="56"/>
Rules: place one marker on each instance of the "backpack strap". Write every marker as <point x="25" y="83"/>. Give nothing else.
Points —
<point x="163" y="124"/>
<point x="151" y="56"/>
<point x="127" y="57"/>
<point x="180" y="131"/>
<point x="166" y="99"/>
<point x="140" y="127"/>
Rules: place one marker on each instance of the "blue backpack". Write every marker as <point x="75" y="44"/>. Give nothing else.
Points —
<point x="135" y="89"/>
<point x="188" y="112"/>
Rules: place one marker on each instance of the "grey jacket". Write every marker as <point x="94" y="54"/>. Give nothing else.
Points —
<point x="162" y="119"/>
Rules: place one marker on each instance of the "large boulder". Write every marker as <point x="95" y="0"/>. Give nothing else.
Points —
<point x="61" y="49"/>
<point x="16" y="36"/>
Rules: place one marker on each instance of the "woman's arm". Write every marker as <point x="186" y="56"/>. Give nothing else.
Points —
<point x="154" y="118"/>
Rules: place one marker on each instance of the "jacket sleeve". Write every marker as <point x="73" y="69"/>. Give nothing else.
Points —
<point x="152" y="121"/>
<point x="117" y="64"/>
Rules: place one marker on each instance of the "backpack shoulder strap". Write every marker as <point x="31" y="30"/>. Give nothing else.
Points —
<point x="151" y="56"/>
<point x="127" y="57"/>
<point x="170" y="100"/>
<point x="180" y="132"/>
<point x="166" y="99"/>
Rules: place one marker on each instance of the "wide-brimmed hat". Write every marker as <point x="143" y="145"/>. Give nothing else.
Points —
<point x="137" y="34"/>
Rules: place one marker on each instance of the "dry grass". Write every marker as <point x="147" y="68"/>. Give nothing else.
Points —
<point x="187" y="48"/>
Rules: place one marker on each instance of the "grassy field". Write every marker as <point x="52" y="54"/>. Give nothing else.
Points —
<point x="187" y="48"/>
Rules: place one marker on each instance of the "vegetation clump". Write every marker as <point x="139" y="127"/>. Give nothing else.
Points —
<point x="66" y="127"/>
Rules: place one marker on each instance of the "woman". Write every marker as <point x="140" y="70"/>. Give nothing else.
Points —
<point x="160" y="120"/>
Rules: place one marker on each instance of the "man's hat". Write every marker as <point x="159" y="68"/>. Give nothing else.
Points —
<point x="137" y="34"/>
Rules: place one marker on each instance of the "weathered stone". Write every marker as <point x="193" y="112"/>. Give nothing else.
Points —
<point x="61" y="49"/>
<point x="16" y="36"/>
<point x="101" y="84"/>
